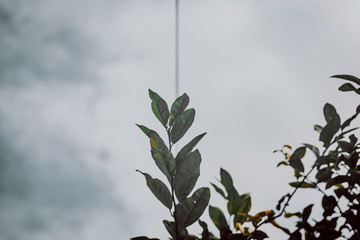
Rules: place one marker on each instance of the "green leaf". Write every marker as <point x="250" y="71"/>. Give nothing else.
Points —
<point x="275" y="224"/>
<point x="178" y="107"/>
<point x="218" y="218"/>
<point x="150" y="133"/>
<point x="219" y="190"/>
<point x="240" y="218"/>
<point x="328" y="204"/>
<point x="159" y="108"/>
<point x="295" y="159"/>
<point x="170" y="227"/>
<point x="159" y="189"/>
<point x="163" y="158"/>
<point x="345" y="146"/>
<point x="187" y="149"/>
<point x="182" y="124"/>
<point x="301" y="185"/>
<point x="282" y="163"/>
<point x="306" y="213"/>
<point x="143" y="238"/>
<point x="346" y="87"/>
<point x="187" y="175"/>
<point x="323" y="175"/>
<point x="245" y="203"/>
<point x="314" y="149"/>
<point x="191" y="209"/>
<point x="289" y="215"/>
<point x="348" y="77"/>
<point x="226" y="180"/>
<point x="332" y="126"/>
<point x="348" y="121"/>
<point x="259" y="235"/>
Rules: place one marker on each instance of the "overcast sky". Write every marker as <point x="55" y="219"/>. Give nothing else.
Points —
<point x="74" y="76"/>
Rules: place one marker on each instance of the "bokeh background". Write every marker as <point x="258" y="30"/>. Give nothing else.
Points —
<point x="74" y="76"/>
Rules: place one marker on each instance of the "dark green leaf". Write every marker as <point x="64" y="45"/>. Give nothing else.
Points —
<point x="289" y="215"/>
<point x="332" y="126"/>
<point x="275" y="224"/>
<point x="318" y="128"/>
<point x="178" y="107"/>
<point x="233" y="201"/>
<point x="295" y="159"/>
<point x="205" y="235"/>
<point x="187" y="149"/>
<point x="358" y="109"/>
<point x="226" y="180"/>
<point x="301" y="185"/>
<point x="218" y="218"/>
<point x="306" y="213"/>
<point x="323" y="175"/>
<point x="191" y="209"/>
<point x="219" y="190"/>
<point x="348" y="121"/>
<point x="163" y="158"/>
<point x="328" y="204"/>
<point x="170" y="227"/>
<point x="337" y="180"/>
<point x="245" y="203"/>
<point x="282" y="199"/>
<point x="259" y="235"/>
<point x="159" y="108"/>
<point x="345" y="146"/>
<point x="314" y="149"/>
<point x="346" y="87"/>
<point x="348" y="77"/>
<point x="182" y="124"/>
<point x="143" y="238"/>
<point x="187" y="175"/>
<point x="282" y="163"/>
<point x="159" y="189"/>
<point x="150" y="133"/>
<point x="240" y="218"/>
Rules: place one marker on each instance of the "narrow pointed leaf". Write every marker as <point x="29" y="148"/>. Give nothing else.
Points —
<point x="348" y="121"/>
<point x="178" y="107"/>
<point x="187" y="175"/>
<point x="226" y="180"/>
<point x="191" y="209"/>
<point x="218" y="218"/>
<point x="182" y="124"/>
<point x="187" y="149"/>
<point x="348" y="77"/>
<point x="295" y="159"/>
<point x="306" y="213"/>
<point x="301" y="185"/>
<point x="159" y="189"/>
<point x="151" y="133"/>
<point x="219" y="190"/>
<point x="159" y="107"/>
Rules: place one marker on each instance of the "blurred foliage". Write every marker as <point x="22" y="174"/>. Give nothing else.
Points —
<point x="335" y="174"/>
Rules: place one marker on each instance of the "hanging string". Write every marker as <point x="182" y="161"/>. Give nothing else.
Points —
<point x="176" y="48"/>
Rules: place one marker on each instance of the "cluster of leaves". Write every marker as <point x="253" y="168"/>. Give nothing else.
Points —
<point x="181" y="171"/>
<point x="336" y="175"/>
<point x="238" y="207"/>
